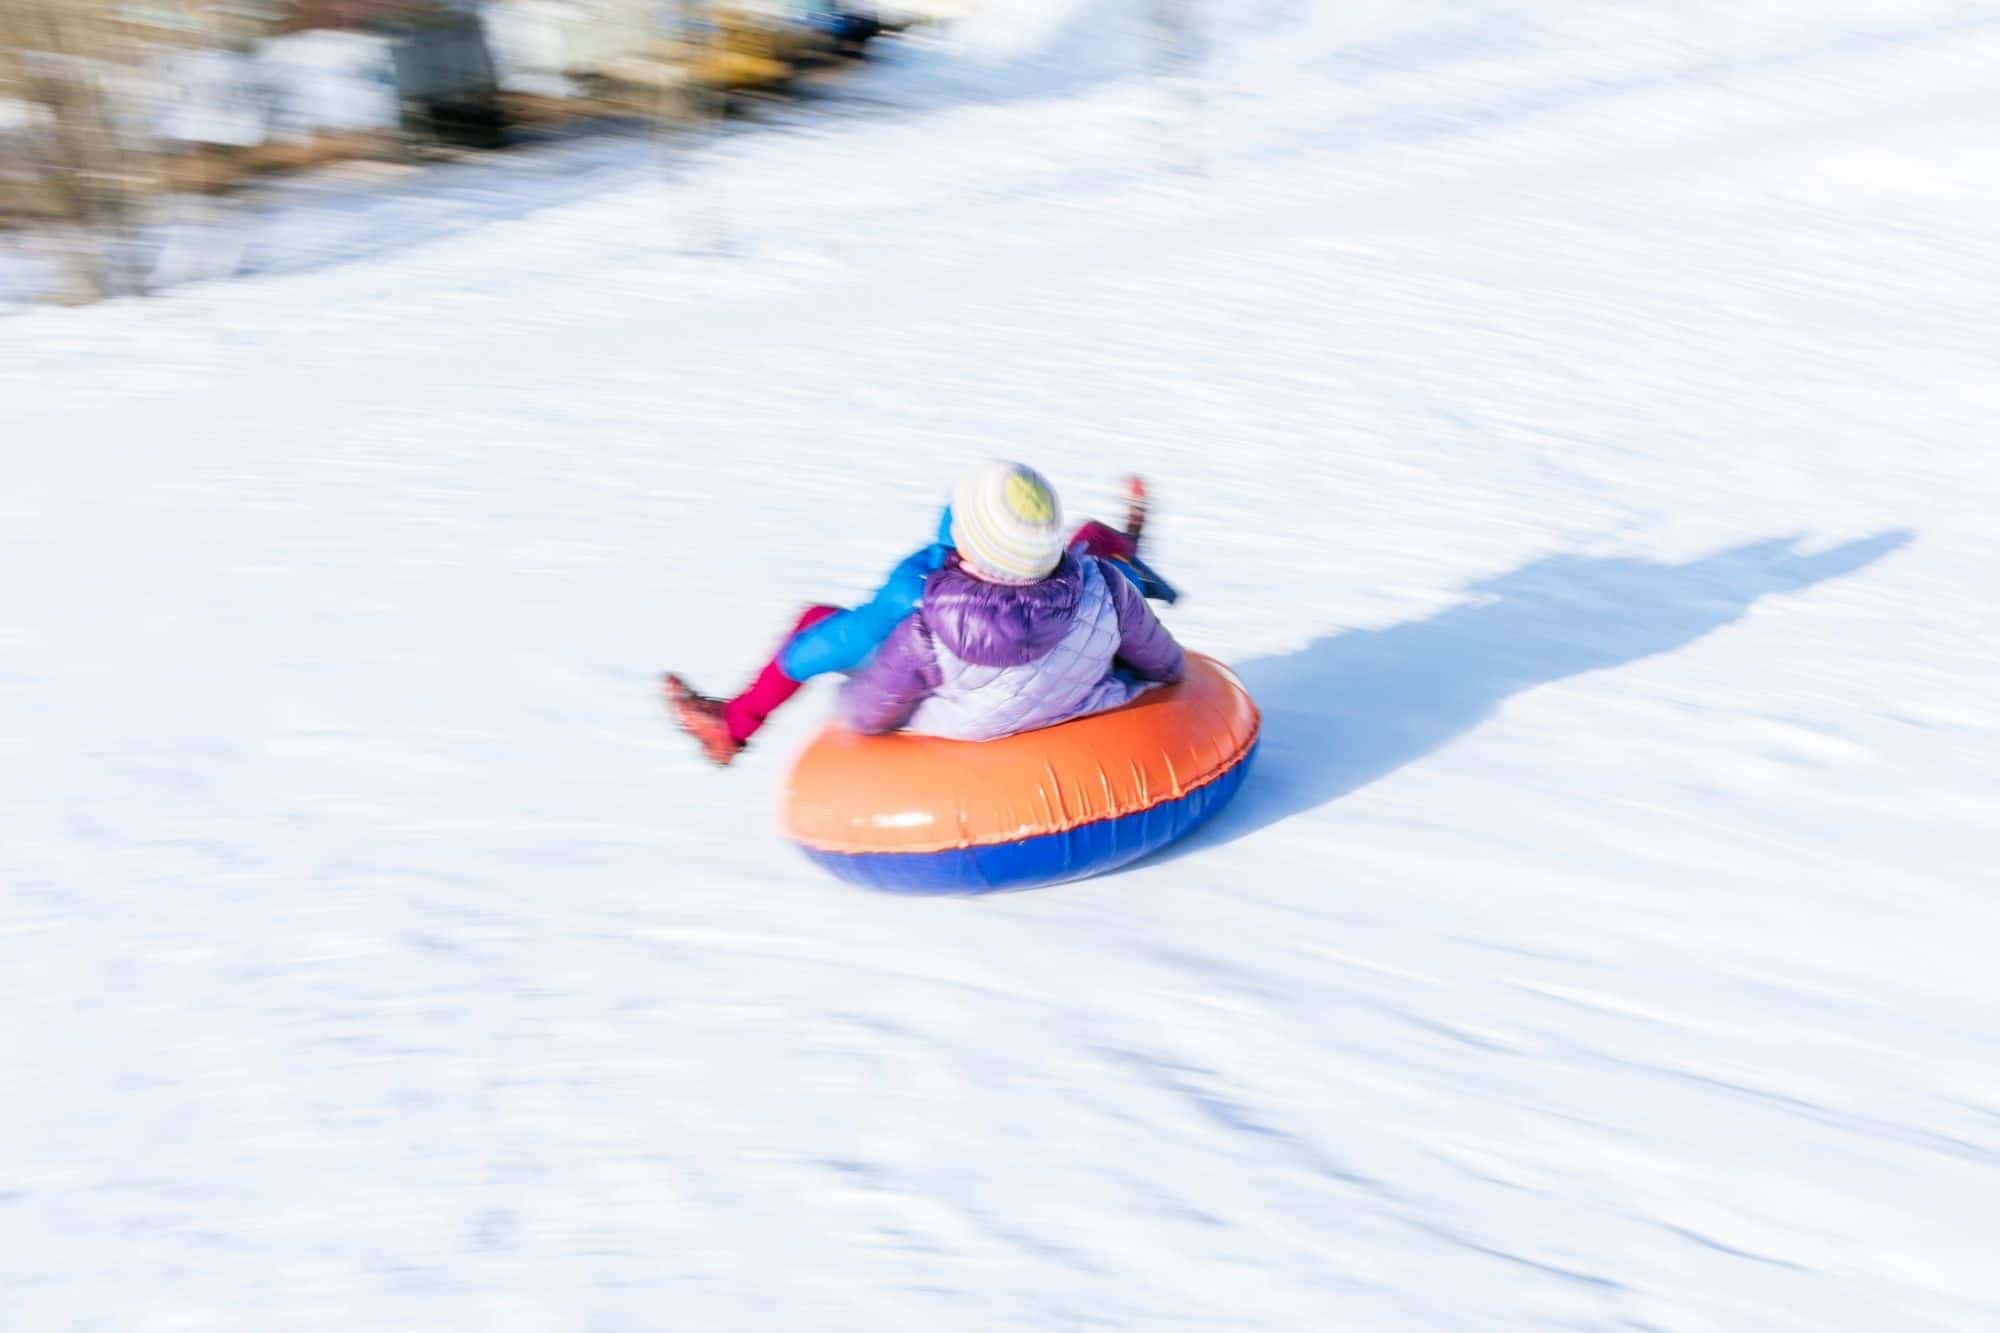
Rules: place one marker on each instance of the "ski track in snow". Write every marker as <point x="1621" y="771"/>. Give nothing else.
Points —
<point x="1574" y="424"/>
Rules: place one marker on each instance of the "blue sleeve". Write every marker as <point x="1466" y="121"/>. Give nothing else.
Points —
<point x="843" y="642"/>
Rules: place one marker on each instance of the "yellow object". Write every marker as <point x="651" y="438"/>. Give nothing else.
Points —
<point x="737" y="70"/>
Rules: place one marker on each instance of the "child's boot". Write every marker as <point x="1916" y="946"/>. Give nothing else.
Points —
<point x="1137" y="505"/>
<point x="702" y="718"/>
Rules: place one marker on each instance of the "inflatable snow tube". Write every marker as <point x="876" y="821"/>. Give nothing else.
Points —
<point x="924" y="815"/>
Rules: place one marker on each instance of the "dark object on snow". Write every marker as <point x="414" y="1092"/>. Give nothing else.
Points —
<point x="445" y="78"/>
<point x="847" y="30"/>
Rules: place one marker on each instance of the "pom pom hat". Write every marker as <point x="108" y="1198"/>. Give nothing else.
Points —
<point x="1007" y="524"/>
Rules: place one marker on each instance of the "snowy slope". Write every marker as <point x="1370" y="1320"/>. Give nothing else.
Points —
<point x="1575" y="421"/>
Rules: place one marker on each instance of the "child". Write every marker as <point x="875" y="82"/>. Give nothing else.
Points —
<point x="827" y="639"/>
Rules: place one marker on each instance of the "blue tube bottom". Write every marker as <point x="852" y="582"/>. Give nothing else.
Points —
<point x="1053" y="858"/>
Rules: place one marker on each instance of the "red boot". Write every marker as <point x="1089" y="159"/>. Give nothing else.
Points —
<point x="702" y="718"/>
<point x="1137" y="506"/>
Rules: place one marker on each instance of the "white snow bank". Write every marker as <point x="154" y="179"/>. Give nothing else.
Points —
<point x="208" y="97"/>
<point x="332" y="81"/>
<point x="530" y="44"/>
<point x="18" y="117"/>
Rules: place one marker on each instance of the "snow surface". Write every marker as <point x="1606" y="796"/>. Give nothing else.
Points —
<point x="1577" y="422"/>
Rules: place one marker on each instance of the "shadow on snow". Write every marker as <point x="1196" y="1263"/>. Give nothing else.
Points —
<point x="1356" y="706"/>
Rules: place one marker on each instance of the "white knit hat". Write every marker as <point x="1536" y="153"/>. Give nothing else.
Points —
<point x="1007" y="523"/>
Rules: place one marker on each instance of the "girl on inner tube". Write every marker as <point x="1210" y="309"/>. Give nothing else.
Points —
<point x="1000" y="627"/>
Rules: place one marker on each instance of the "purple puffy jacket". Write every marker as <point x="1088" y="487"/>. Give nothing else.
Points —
<point x="981" y="660"/>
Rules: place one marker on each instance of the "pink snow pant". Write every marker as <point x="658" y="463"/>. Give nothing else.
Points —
<point x="769" y="692"/>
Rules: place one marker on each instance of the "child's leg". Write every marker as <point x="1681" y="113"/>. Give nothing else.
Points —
<point x="840" y="642"/>
<point x="1100" y="539"/>
<point x="1097" y="539"/>
<point x="749" y="710"/>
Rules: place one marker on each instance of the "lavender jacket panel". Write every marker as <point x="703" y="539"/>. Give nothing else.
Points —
<point x="1000" y="626"/>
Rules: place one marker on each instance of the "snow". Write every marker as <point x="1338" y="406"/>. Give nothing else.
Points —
<point x="529" y="43"/>
<point x="17" y="117"/>
<point x="1573" y="420"/>
<point x="326" y="80"/>
<point x="207" y="97"/>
